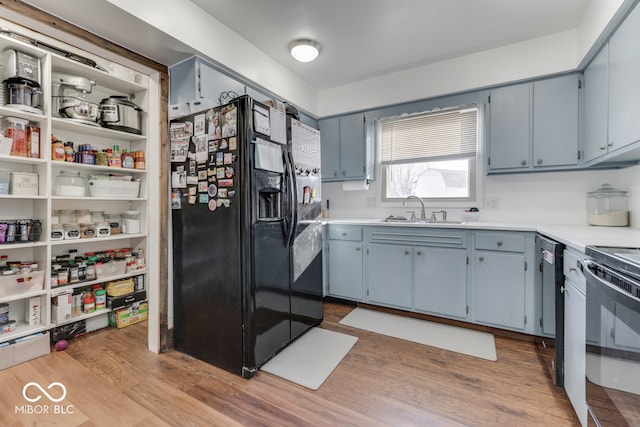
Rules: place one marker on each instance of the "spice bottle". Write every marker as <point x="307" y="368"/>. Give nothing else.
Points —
<point x="57" y="149"/>
<point x="139" y="161"/>
<point x="127" y="159"/>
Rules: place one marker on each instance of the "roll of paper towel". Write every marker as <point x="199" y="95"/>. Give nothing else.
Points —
<point x="355" y="185"/>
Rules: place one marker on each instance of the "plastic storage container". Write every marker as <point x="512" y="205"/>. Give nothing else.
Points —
<point x="69" y="184"/>
<point x="4" y="181"/>
<point x="131" y="222"/>
<point x="607" y="206"/>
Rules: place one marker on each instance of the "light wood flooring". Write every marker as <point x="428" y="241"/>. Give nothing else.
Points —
<point x="113" y="380"/>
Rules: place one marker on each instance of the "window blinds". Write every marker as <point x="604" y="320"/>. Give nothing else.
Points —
<point x="429" y="136"/>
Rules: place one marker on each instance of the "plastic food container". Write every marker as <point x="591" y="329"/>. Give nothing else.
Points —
<point x="607" y="206"/>
<point x="69" y="184"/>
<point x="131" y="222"/>
<point x="24" y="183"/>
<point x="112" y="188"/>
<point x="4" y="181"/>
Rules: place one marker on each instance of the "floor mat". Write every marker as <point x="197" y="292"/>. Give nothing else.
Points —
<point x="311" y="358"/>
<point x="461" y="340"/>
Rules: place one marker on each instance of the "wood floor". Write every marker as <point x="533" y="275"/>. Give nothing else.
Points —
<point x="112" y="380"/>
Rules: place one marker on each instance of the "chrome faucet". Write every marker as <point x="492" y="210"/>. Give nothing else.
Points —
<point x="443" y="212"/>
<point x="422" y="214"/>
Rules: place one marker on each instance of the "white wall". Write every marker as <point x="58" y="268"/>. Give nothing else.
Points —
<point x="545" y="55"/>
<point x="541" y="198"/>
<point x="631" y="177"/>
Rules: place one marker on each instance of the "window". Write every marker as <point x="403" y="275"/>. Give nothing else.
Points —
<point x="431" y="155"/>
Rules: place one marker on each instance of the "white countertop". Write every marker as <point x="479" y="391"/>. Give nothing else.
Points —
<point x="574" y="236"/>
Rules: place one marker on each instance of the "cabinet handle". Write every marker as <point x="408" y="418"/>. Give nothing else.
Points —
<point x="610" y="144"/>
<point x="539" y="161"/>
<point x="357" y="248"/>
<point x="407" y="252"/>
<point x="604" y="147"/>
<point x="481" y="258"/>
<point x="499" y="243"/>
<point x="344" y="234"/>
<point x="335" y="173"/>
<point x="343" y="173"/>
<point x="419" y="253"/>
<point x="523" y="162"/>
<point x="573" y="270"/>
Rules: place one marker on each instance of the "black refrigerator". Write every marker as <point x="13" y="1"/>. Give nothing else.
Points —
<point x="247" y="277"/>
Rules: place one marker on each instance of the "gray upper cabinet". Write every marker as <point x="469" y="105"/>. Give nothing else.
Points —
<point x="194" y="80"/>
<point x="624" y="84"/>
<point x="344" y="150"/>
<point x="555" y="121"/>
<point x="596" y="106"/>
<point x="612" y="98"/>
<point x="509" y="127"/>
<point x="534" y="126"/>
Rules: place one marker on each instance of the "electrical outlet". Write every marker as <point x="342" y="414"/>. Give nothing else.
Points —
<point x="491" y="203"/>
<point x="371" y="202"/>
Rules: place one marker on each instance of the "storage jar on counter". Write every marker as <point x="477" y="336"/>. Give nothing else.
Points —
<point x="607" y="206"/>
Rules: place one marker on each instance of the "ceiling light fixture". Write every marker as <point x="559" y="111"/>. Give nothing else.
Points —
<point x="304" y="50"/>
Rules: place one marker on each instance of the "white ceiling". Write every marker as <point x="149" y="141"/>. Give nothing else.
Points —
<point x="359" y="39"/>
<point x="367" y="38"/>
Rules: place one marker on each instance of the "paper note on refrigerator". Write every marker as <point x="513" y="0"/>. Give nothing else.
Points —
<point x="268" y="156"/>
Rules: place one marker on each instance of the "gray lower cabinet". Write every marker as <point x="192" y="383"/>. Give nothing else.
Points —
<point x="502" y="285"/>
<point x="574" y="349"/>
<point x="499" y="289"/>
<point x="346" y="263"/>
<point x="441" y="281"/>
<point x="389" y="275"/>
<point x="436" y="271"/>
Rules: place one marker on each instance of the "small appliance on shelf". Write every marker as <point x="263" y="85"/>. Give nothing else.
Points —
<point x="71" y="99"/>
<point x="20" y="74"/>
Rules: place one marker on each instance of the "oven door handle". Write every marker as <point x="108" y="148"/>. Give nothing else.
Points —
<point x="611" y="290"/>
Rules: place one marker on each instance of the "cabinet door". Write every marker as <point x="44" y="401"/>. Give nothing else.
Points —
<point x="624" y="84"/>
<point x="510" y="127"/>
<point x="389" y="275"/>
<point x="555" y="121"/>
<point x="574" y="349"/>
<point x="596" y="106"/>
<point x="330" y="148"/>
<point x="352" y="146"/>
<point x="499" y="289"/>
<point x="346" y="279"/>
<point x="440" y="281"/>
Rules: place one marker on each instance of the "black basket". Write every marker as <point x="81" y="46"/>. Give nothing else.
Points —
<point x="20" y="231"/>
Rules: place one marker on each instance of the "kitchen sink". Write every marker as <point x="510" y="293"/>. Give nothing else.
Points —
<point x="404" y="220"/>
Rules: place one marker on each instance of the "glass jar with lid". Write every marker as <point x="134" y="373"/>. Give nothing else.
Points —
<point x="69" y="184"/>
<point x="607" y="206"/>
<point x="83" y="216"/>
<point x="97" y="216"/>
<point x="114" y="221"/>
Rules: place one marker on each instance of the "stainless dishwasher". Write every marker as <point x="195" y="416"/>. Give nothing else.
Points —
<point x="549" y="257"/>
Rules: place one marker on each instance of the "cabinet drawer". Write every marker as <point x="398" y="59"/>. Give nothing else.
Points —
<point x="345" y="232"/>
<point x="571" y="269"/>
<point x="500" y="242"/>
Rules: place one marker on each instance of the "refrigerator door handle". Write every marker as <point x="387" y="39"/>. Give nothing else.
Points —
<point x="294" y="200"/>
